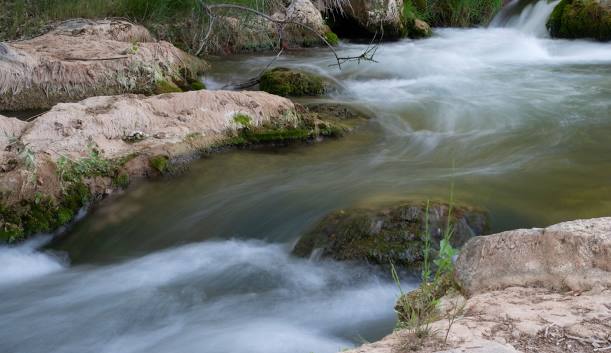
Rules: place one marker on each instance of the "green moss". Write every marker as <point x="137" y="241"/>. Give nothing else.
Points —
<point x="11" y="233"/>
<point x="332" y="38"/>
<point x="291" y="83"/>
<point x="275" y="135"/>
<point x="64" y="215"/>
<point x="160" y="163"/>
<point x="197" y="86"/>
<point x="387" y="235"/>
<point x="121" y="180"/>
<point x="164" y="86"/>
<point x="41" y="214"/>
<point x="573" y="19"/>
<point x="244" y="120"/>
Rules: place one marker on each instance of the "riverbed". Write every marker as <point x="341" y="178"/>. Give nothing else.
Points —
<point x="517" y="122"/>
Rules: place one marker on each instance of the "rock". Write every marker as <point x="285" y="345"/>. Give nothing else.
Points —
<point x="291" y="83"/>
<point x="365" y="18"/>
<point x="525" y="319"/>
<point x="417" y="29"/>
<point x="57" y="173"/>
<point x="303" y="11"/>
<point x="388" y="234"/>
<point x="234" y="34"/>
<point x="573" y="255"/>
<point x="574" y="19"/>
<point x="84" y="58"/>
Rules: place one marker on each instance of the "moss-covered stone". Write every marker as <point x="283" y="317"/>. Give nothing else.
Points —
<point x="121" y="180"/>
<point x="574" y="19"/>
<point x="197" y="86"/>
<point x="418" y="29"/>
<point x="322" y="120"/>
<point x="332" y="38"/>
<point x="291" y="83"/>
<point x="41" y="214"/>
<point x="165" y="86"/>
<point x="390" y="234"/>
<point x="160" y="163"/>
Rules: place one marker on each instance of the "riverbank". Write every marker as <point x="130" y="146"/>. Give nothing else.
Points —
<point x="80" y="152"/>
<point x="538" y="290"/>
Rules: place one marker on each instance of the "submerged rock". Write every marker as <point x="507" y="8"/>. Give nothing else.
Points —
<point x="572" y="255"/>
<point x="392" y="234"/>
<point x="84" y="58"/>
<point x="291" y="83"/>
<point x="574" y="19"/>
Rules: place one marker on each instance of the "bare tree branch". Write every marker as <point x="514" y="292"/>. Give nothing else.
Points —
<point x="367" y="55"/>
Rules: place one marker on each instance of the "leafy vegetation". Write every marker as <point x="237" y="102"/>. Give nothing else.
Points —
<point x="418" y="309"/>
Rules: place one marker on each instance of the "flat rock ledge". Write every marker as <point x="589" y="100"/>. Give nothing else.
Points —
<point x="531" y="290"/>
<point x="85" y="58"/>
<point x="52" y="166"/>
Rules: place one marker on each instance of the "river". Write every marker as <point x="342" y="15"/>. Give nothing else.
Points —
<point x="520" y="123"/>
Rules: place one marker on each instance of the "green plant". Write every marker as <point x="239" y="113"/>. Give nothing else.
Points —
<point x="160" y="163"/>
<point x="244" y="120"/>
<point x="418" y="309"/>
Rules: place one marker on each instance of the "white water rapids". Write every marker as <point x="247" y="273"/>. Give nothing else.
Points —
<point x="525" y="120"/>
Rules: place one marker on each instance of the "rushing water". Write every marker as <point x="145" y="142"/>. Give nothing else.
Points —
<point x="199" y="263"/>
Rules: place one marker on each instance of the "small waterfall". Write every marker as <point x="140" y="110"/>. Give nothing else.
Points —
<point x="526" y="16"/>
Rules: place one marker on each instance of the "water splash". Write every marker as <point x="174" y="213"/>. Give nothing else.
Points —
<point x="527" y="17"/>
<point x="25" y="262"/>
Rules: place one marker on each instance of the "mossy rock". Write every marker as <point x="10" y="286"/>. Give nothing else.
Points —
<point x="389" y="234"/>
<point x="165" y="86"/>
<point x="418" y="29"/>
<point x="332" y="38"/>
<point x="291" y="83"/>
<point x="160" y="163"/>
<point x="41" y="214"/>
<point x="311" y="123"/>
<point x="573" y="19"/>
<point x="197" y="86"/>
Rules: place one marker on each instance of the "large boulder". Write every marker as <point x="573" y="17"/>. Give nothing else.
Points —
<point x="366" y="18"/>
<point x="84" y="58"/>
<point x="572" y="255"/>
<point x="574" y="19"/>
<point x="232" y="33"/>
<point x="390" y="234"/>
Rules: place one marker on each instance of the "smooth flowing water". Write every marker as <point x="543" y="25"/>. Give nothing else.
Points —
<point x="200" y="263"/>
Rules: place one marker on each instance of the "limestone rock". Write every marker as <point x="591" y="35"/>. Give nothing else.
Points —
<point x="84" y="58"/>
<point x="572" y="255"/>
